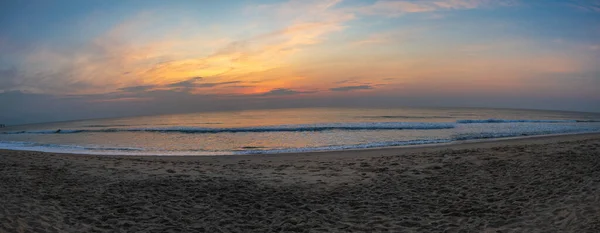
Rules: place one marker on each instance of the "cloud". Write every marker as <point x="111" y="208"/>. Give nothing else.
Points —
<point x="584" y="5"/>
<point x="129" y="57"/>
<point x="351" y="88"/>
<point x="216" y="84"/>
<point x="344" y="81"/>
<point x="124" y="99"/>
<point x="305" y="11"/>
<point x="373" y="39"/>
<point x="284" y="92"/>
<point x="188" y="83"/>
<point x="393" y="8"/>
<point x="9" y="79"/>
<point x="137" y="88"/>
<point x="193" y="83"/>
<point x="393" y="36"/>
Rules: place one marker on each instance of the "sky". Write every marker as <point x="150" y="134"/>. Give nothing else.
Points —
<point x="65" y="60"/>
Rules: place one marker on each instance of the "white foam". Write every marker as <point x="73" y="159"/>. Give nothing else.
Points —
<point x="492" y="120"/>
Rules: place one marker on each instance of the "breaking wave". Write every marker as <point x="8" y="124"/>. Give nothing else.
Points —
<point x="492" y="135"/>
<point x="279" y="128"/>
<point x="54" y="148"/>
<point x="57" y="147"/>
<point x="472" y="121"/>
<point x="408" y="117"/>
<point x="345" y="147"/>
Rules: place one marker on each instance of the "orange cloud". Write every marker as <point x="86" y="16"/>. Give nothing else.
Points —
<point x="121" y="57"/>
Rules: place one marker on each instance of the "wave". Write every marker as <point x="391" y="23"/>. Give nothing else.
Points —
<point x="279" y="128"/>
<point x="345" y="147"/>
<point x="104" y="126"/>
<point x="492" y="120"/>
<point x="58" y="131"/>
<point x="55" y="148"/>
<point x="588" y="121"/>
<point x="409" y="117"/>
<point x="47" y="146"/>
<point x="490" y="135"/>
<point x="295" y="128"/>
<point x="73" y="149"/>
<point x="123" y="125"/>
<point x="108" y="150"/>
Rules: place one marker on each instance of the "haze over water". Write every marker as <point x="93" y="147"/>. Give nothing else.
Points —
<point x="290" y="130"/>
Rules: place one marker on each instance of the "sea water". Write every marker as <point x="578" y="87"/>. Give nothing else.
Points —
<point x="289" y="130"/>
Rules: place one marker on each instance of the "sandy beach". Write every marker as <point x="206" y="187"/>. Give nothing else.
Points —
<point x="542" y="184"/>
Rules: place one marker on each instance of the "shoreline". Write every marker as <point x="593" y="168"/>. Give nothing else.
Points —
<point x="536" y="184"/>
<point x="422" y="146"/>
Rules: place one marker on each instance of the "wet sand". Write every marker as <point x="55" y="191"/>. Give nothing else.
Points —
<point x="543" y="184"/>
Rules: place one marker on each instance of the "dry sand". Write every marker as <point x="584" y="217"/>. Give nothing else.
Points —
<point x="547" y="184"/>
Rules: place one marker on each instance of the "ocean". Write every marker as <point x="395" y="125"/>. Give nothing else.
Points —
<point x="289" y="130"/>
